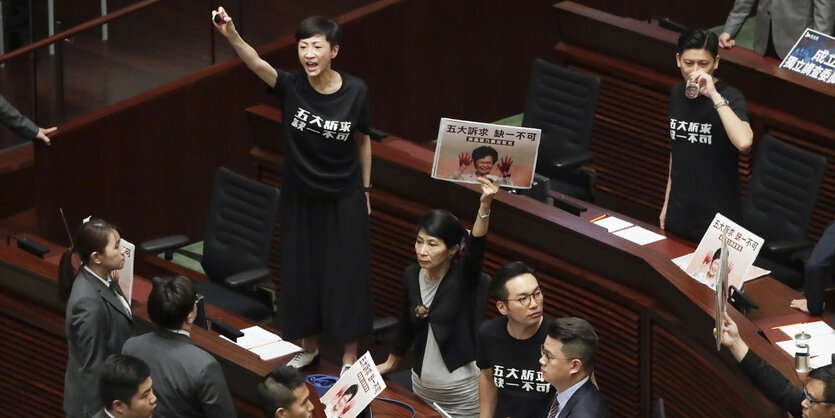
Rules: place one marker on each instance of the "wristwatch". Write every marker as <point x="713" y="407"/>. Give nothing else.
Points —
<point x="723" y="102"/>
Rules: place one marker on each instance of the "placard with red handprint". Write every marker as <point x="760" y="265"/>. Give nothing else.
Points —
<point x="468" y="150"/>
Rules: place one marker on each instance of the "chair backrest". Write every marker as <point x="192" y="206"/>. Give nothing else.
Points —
<point x="782" y="191"/>
<point x="562" y="103"/>
<point x="239" y="231"/>
<point x="540" y="188"/>
<point x="481" y="293"/>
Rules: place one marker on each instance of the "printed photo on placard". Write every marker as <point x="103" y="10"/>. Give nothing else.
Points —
<point x="468" y="150"/>
<point x="743" y="247"/>
<point x="354" y="390"/>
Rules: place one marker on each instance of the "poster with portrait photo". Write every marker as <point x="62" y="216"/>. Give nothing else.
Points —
<point x="743" y="247"/>
<point x="354" y="390"/>
<point x="468" y="150"/>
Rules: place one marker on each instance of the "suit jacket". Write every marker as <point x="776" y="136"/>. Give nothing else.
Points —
<point x="188" y="382"/>
<point x="12" y="118"/>
<point x="101" y="414"/>
<point x="819" y="269"/>
<point x="97" y="324"/>
<point x="450" y="314"/>
<point x="772" y="384"/>
<point x="586" y="402"/>
<point x="786" y="18"/>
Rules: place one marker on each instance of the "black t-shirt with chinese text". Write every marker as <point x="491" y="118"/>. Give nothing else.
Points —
<point x="705" y="176"/>
<point x="522" y="391"/>
<point x="318" y="133"/>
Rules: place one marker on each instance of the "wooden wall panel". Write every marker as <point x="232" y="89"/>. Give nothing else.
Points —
<point x="34" y="360"/>
<point x="700" y="391"/>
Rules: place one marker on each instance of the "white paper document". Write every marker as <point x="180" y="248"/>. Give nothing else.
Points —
<point x="613" y="224"/>
<point x="812" y="328"/>
<point x="822" y="345"/>
<point x="638" y="235"/>
<point x="265" y="344"/>
<point x="275" y="350"/>
<point x="820" y="361"/>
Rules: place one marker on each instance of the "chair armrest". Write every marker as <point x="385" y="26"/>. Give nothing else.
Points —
<point x="159" y="245"/>
<point x="247" y="277"/>
<point x="572" y="161"/>
<point x="384" y="324"/>
<point x="787" y="247"/>
<point x="377" y="134"/>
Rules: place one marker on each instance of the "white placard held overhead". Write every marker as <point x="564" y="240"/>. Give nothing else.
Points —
<point x="468" y="150"/>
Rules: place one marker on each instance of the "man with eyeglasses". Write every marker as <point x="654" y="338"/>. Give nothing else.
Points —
<point x="511" y="384"/>
<point x="817" y="399"/>
<point x="188" y="381"/>
<point x="567" y="360"/>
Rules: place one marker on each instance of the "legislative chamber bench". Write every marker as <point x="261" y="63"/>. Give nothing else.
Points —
<point x="33" y="317"/>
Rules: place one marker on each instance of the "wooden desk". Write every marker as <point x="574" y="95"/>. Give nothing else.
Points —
<point x="653" y="320"/>
<point x="33" y="315"/>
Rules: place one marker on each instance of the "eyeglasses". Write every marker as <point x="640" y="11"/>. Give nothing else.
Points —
<point x="548" y="356"/>
<point x="812" y="401"/>
<point x="525" y="300"/>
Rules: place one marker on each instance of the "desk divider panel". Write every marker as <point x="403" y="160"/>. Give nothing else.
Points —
<point x="34" y="361"/>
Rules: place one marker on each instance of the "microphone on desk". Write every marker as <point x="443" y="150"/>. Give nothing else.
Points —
<point x="28" y="245"/>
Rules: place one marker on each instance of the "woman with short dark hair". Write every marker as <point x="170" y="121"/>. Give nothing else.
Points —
<point x="437" y="320"/>
<point x="325" y="252"/>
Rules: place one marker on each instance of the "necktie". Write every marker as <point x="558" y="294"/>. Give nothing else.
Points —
<point x="115" y="288"/>
<point x="555" y="406"/>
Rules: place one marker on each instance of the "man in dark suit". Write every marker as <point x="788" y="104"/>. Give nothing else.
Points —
<point x="817" y="273"/>
<point x="779" y="23"/>
<point x="125" y="388"/>
<point x="188" y="381"/>
<point x="815" y="400"/>
<point x="21" y="125"/>
<point x="283" y="394"/>
<point x="567" y="363"/>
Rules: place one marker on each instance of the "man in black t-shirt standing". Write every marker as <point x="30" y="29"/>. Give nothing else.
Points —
<point x="511" y="382"/>
<point x="708" y="128"/>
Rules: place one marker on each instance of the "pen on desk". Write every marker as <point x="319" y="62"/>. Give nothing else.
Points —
<point x="789" y="325"/>
<point x="603" y="216"/>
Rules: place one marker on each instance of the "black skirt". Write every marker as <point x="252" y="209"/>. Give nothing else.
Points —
<point x="325" y="272"/>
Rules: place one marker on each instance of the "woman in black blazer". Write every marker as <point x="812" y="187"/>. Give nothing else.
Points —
<point x="98" y="318"/>
<point x="441" y="292"/>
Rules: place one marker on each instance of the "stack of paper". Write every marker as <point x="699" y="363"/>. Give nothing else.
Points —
<point x="627" y="230"/>
<point x="264" y="343"/>
<point x="821" y="345"/>
<point x="613" y="224"/>
<point x="638" y="235"/>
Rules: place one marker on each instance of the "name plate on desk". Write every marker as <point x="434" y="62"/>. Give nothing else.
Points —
<point x="813" y="56"/>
